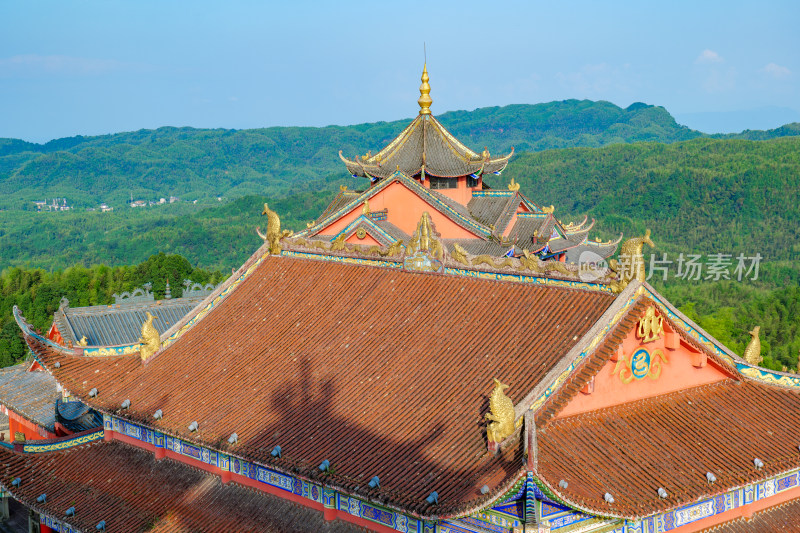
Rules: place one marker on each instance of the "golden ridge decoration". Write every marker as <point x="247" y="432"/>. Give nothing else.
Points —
<point x="513" y="186"/>
<point x="425" y="240"/>
<point x="83" y="341"/>
<point x="342" y="188"/>
<point x="365" y="210"/>
<point x="150" y="340"/>
<point x="752" y="353"/>
<point x="274" y="234"/>
<point x="549" y="210"/>
<point x="650" y="326"/>
<point x="501" y="414"/>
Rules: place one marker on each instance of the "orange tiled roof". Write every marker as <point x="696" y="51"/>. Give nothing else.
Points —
<point x="671" y="441"/>
<point x="132" y="492"/>
<point x="382" y="372"/>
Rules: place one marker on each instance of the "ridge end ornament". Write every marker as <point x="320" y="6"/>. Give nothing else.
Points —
<point x="274" y="233"/>
<point x="501" y="415"/>
<point x="150" y="339"/>
<point x="752" y="353"/>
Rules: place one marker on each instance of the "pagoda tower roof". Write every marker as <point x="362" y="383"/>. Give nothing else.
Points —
<point x="425" y="146"/>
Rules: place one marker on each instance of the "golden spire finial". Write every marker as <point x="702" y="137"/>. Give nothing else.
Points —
<point x="425" y="93"/>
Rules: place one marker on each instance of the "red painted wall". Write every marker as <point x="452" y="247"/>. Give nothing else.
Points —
<point x="28" y="428"/>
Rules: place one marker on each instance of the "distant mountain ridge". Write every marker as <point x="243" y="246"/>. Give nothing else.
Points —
<point x="201" y="163"/>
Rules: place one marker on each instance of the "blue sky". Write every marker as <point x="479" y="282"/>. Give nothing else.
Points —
<point x="92" y="67"/>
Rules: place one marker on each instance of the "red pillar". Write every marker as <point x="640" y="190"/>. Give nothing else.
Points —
<point x="12" y="428"/>
<point x="108" y="434"/>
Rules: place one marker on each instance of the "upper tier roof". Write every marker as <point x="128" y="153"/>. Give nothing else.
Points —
<point x="381" y="371"/>
<point x="425" y="145"/>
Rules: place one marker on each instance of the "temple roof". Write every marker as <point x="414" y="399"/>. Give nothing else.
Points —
<point x="30" y="394"/>
<point x="115" y="324"/>
<point x="425" y="145"/>
<point x="131" y="491"/>
<point x="339" y="361"/>
<point x="671" y="441"/>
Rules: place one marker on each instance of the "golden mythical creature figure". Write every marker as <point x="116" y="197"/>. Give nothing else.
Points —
<point x="459" y="254"/>
<point x="631" y="262"/>
<point x="83" y="341"/>
<point x="274" y="234"/>
<point x="548" y="210"/>
<point x="151" y="339"/>
<point x="752" y="354"/>
<point x="513" y="185"/>
<point x="501" y="414"/>
<point x="338" y="244"/>
<point x="395" y="248"/>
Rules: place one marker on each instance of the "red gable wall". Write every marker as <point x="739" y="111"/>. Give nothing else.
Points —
<point x="404" y="211"/>
<point x="682" y="366"/>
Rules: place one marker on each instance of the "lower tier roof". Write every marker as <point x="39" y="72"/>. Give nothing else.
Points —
<point x="131" y="491"/>
<point x="671" y="442"/>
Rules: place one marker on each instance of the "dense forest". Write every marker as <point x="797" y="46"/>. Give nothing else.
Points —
<point x="38" y="293"/>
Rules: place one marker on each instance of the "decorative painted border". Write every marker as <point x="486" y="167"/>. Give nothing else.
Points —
<point x="773" y="377"/>
<point x="343" y="259"/>
<point x="716" y="505"/>
<point x="55" y="525"/>
<point x="499" y="276"/>
<point x="330" y="498"/>
<point x="368" y="222"/>
<point x="52" y="446"/>
<point x="531" y="215"/>
<point x="107" y="351"/>
<point x="492" y="193"/>
<point x="692" y="332"/>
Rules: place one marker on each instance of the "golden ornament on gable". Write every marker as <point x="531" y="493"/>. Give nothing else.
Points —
<point x="642" y="364"/>
<point x="651" y="327"/>
<point x="361" y="233"/>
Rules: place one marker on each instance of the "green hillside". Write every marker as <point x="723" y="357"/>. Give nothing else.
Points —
<point x="704" y="195"/>
<point x="197" y="164"/>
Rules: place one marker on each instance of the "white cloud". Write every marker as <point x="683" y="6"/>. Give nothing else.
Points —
<point x="776" y="71"/>
<point x="708" y="57"/>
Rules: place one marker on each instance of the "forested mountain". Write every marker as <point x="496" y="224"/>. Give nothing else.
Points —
<point x="197" y="163"/>
<point x="704" y="195"/>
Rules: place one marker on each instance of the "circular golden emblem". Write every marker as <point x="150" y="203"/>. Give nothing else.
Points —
<point x="361" y="233"/>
